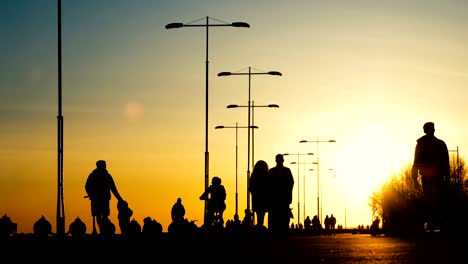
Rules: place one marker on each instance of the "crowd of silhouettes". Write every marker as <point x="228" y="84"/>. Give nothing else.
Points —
<point x="271" y="190"/>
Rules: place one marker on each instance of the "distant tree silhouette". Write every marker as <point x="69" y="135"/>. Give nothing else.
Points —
<point x="399" y="204"/>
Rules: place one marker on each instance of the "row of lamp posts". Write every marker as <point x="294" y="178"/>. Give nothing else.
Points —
<point x="250" y="127"/>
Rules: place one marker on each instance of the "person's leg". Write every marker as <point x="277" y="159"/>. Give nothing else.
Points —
<point x="260" y="218"/>
<point x="428" y="194"/>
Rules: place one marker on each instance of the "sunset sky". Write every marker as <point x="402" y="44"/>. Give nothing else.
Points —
<point x="366" y="73"/>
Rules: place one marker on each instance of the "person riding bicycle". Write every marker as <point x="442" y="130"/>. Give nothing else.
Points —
<point x="215" y="194"/>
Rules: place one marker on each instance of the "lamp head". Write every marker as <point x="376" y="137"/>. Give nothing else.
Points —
<point x="218" y="127"/>
<point x="303" y="141"/>
<point x="174" y="25"/>
<point x="232" y="106"/>
<point x="224" y="74"/>
<point x="273" y="105"/>
<point x="277" y="73"/>
<point x="240" y="24"/>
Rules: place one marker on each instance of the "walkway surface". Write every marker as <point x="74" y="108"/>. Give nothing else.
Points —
<point x="342" y="248"/>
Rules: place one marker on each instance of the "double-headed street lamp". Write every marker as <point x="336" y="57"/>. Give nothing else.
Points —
<point x="248" y="143"/>
<point x="298" y="182"/>
<point x="250" y="73"/>
<point x="207" y="25"/>
<point x="318" y="170"/>
<point x="236" y="127"/>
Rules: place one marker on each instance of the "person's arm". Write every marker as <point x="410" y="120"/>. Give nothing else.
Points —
<point x="204" y="195"/>
<point x="114" y="190"/>
<point x="415" y="168"/>
<point x="446" y="161"/>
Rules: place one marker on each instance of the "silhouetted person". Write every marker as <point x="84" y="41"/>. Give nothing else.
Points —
<point x="374" y="228"/>
<point x="152" y="229"/>
<point x="124" y="215"/>
<point x="99" y="186"/>
<point x="332" y="225"/>
<point x="216" y="196"/>
<point x="431" y="162"/>
<point x="178" y="211"/>
<point x="134" y="230"/>
<point x="259" y="189"/>
<point x="307" y="223"/>
<point x="316" y="225"/>
<point x="247" y="221"/>
<point x="327" y="225"/>
<point x="281" y="188"/>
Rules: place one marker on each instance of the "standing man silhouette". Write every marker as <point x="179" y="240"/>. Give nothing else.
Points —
<point x="431" y="162"/>
<point x="282" y="183"/>
<point x="99" y="186"/>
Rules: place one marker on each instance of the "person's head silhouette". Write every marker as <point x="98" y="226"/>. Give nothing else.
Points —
<point x="216" y="180"/>
<point x="101" y="164"/>
<point x="429" y="128"/>
<point x="279" y="159"/>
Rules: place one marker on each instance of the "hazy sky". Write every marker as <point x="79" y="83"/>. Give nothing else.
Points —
<point x="367" y="74"/>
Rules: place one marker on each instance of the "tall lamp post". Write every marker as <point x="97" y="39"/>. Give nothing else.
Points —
<point x="298" y="182"/>
<point x="318" y="170"/>
<point x="207" y="25"/>
<point x="236" y="127"/>
<point x="321" y="195"/>
<point x="304" y="185"/>
<point x="458" y="161"/>
<point x="248" y="144"/>
<point x="60" y="220"/>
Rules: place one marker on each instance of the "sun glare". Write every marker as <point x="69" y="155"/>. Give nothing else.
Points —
<point x="134" y="111"/>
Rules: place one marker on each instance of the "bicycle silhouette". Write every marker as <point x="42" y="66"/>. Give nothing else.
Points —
<point x="215" y="196"/>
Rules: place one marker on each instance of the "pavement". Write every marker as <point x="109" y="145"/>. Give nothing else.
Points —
<point x="342" y="248"/>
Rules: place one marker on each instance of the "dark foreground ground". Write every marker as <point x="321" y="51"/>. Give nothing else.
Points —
<point x="342" y="248"/>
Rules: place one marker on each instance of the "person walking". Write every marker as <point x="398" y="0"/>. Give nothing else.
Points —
<point x="431" y="167"/>
<point x="332" y="225"/>
<point x="258" y="187"/>
<point x="281" y="190"/>
<point x="99" y="186"/>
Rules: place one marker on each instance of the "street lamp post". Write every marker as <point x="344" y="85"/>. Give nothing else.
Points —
<point x="60" y="221"/>
<point x="298" y="182"/>
<point x="249" y="73"/>
<point x="321" y="195"/>
<point x="458" y="161"/>
<point x="318" y="171"/>
<point x="236" y="127"/>
<point x="304" y="185"/>
<point x="207" y="25"/>
<point x="248" y="144"/>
